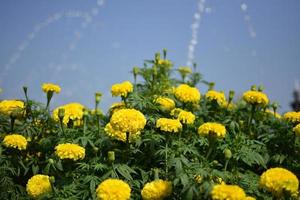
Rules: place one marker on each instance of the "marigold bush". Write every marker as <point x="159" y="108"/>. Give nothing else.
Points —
<point x="161" y="140"/>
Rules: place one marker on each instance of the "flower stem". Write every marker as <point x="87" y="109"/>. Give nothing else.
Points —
<point x="226" y="164"/>
<point x="166" y="156"/>
<point x="12" y="124"/>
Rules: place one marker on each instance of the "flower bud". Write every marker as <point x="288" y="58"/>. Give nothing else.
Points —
<point x="198" y="179"/>
<point x="227" y="154"/>
<point x="231" y="95"/>
<point x="61" y="113"/>
<point x="50" y="160"/>
<point x="260" y="88"/>
<point x="25" y="89"/>
<point x="85" y="112"/>
<point x="157" y="57"/>
<point x="253" y="87"/>
<point x="98" y="112"/>
<point x="275" y="105"/>
<point x="98" y="97"/>
<point x="211" y="85"/>
<point x="111" y="156"/>
<point x="96" y="149"/>
<point x="52" y="179"/>
<point x="135" y="71"/>
<point x="165" y="52"/>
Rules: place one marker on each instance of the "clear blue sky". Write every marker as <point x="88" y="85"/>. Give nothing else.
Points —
<point x="85" y="54"/>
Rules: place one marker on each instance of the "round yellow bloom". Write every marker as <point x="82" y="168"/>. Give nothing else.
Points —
<point x="118" y="135"/>
<point x="7" y="107"/>
<point x="70" y="151"/>
<point x="279" y="181"/>
<point x="186" y="117"/>
<point x="113" y="189"/>
<point x="38" y="185"/>
<point x="49" y="87"/>
<point x="165" y="103"/>
<point x="255" y="97"/>
<point x="128" y="121"/>
<point x="187" y="94"/>
<point x="121" y="89"/>
<point x="271" y="112"/>
<point x="211" y="128"/>
<point x="296" y="129"/>
<point x="169" y="125"/>
<point x="219" y="97"/>
<point x="15" y="141"/>
<point x="292" y="117"/>
<point x="157" y="190"/>
<point x="227" y="192"/>
<point x="73" y="112"/>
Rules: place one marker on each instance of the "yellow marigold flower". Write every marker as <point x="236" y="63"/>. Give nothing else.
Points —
<point x="227" y="192"/>
<point x="128" y="121"/>
<point x="156" y="190"/>
<point x="169" y="125"/>
<point x="121" y="89"/>
<point x="49" y="87"/>
<point x="255" y="97"/>
<point x="271" y="112"/>
<point x="7" y="107"/>
<point x="38" y="185"/>
<point x="70" y="151"/>
<point x="186" y="117"/>
<point x="73" y="112"/>
<point x="211" y="128"/>
<point x="15" y="141"/>
<point x="292" y="117"/>
<point x="296" y="129"/>
<point x="187" y="94"/>
<point x="121" y="136"/>
<point x="113" y="189"/>
<point x="116" y="106"/>
<point x="279" y="181"/>
<point x="219" y="97"/>
<point x="165" y="103"/>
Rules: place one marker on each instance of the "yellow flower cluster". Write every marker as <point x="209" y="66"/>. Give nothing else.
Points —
<point x="219" y="97"/>
<point x="186" y="117"/>
<point x="271" y="112"/>
<point x="7" y="107"/>
<point x="73" y="111"/>
<point x="113" y="189"/>
<point x="157" y="190"/>
<point x="255" y="97"/>
<point x="187" y="94"/>
<point x="292" y="117"/>
<point x="70" y="151"/>
<point x="38" y="185"/>
<point x="169" y="125"/>
<point x="15" y="141"/>
<point x="296" y="129"/>
<point x="128" y="121"/>
<point x="279" y="181"/>
<point x="213" y="129"/>
<point x="121" y="89"/>
<point x="166" y="104"/>
<point x="227" y="192"/>
<point x="49" y="87"/>
<point x="118" y="135"/>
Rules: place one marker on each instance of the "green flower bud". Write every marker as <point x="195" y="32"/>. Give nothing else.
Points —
<point x="260" y="88"/>
<point x="50" y="160"/>
<point x="98" y="96"/>
<point x="52" y="179"/>
<point x="85" y="112"/>
<point x="157" y="57"/>
<point x="135" y="71"/>
<point x="253" y="88"/>
<point x="227" y="154"/>
<point x="111" y="156"/>
<point x="231" y="95"/>
<point x="211" y="85"/>
<point x="61" y="113"/>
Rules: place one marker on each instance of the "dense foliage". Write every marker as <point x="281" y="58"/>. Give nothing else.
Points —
<point x="164" y="140"/>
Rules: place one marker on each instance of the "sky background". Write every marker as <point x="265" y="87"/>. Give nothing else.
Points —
<point x="87" y="45"/>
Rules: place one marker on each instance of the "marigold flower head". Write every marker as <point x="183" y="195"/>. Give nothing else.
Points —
<point x="118" y="135"/>
<point x="128" y="121"/>
<point x="255" y="97"/>
<point x="279" y="181"/>
<point x="293" y="117"/>
<point x="15" y="141"/>
<point x="38" y="185"/>
<point x="213" y="129"/>
<point x="166" y="104"/>
<point x="186" y="117"/>
<point x="7" y="107"/>
<point x="227" y="192"/>
<point x="113" y="189"/>
<point x="169" y="125"/>
<point x="156" y="190"/>
<point x="49" y="87"/>
<point x="296" y="129"/>
<point x="121" y="89"/>
<point x="271" y="112"/>
<point x="70" y="151"/>
<point x="219" y="97"/>
<point x="187" y="94"/>
<point x="72" y="112"/>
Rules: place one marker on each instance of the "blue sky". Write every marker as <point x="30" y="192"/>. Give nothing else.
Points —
<point x="86" y="46"/>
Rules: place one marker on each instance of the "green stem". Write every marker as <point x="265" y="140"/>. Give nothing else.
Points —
<point x="166" y="156"/>
<point x="211" y="142"/>
<point x="12" y="124"/>
<point x="251" y="117"/>
<point x="226" y="164"/>
<point x="98" y="123"/>
<point x="62" y="126"/>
